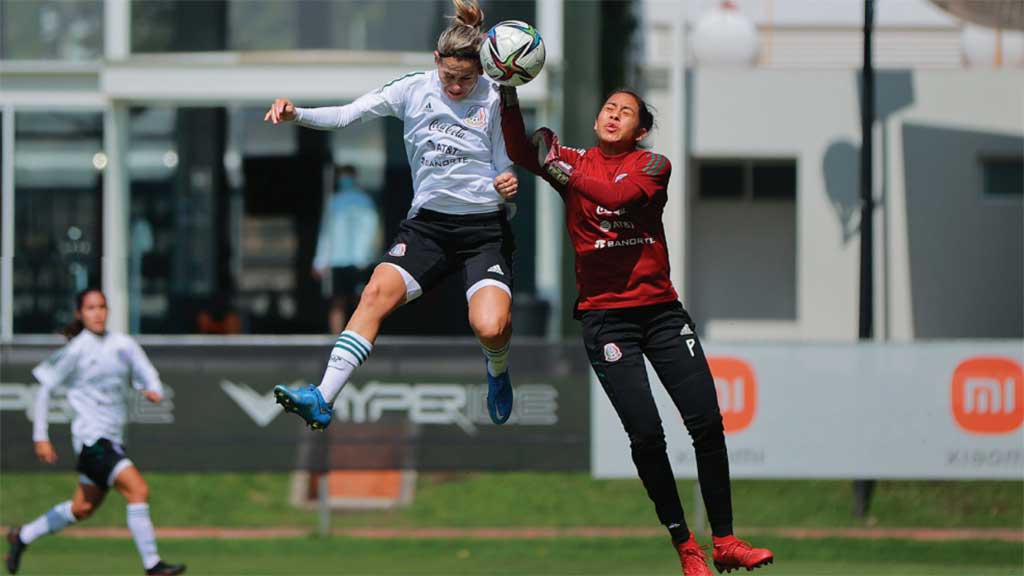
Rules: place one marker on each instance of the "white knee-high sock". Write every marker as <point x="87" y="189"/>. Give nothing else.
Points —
<point x="142" y="532"/>
<point x="349" y="352"/>
<point x="497" y="360"/>
<point x="55" y="520"/>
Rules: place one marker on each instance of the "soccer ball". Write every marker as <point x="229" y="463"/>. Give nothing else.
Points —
<point x="512" y="54"/>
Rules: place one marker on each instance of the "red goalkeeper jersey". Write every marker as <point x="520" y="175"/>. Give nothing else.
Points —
<point x="613" y="209"/>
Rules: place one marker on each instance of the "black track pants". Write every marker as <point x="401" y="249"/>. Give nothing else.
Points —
<point x="617" y="341"/>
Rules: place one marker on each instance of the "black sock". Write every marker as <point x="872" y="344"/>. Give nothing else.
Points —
<point x="679" y="531"/>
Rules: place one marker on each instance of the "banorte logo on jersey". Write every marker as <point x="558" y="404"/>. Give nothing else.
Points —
<point x="737" y="392"/>
<point x="987" y="393"/>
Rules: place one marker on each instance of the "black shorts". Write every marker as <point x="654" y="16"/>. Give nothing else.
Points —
<point x="432" y="245"/>
<point x="100" y="463"/>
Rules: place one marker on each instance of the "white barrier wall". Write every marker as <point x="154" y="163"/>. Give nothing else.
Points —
<point x="949" y="410"/>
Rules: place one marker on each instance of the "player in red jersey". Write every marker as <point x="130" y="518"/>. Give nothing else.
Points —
<point x="614" y="196"/>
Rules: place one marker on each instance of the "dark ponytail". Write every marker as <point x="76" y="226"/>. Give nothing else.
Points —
<point x="75" y="327"/>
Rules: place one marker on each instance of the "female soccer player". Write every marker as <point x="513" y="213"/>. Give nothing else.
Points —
<point x="97" y="367"/>
<point x="614" y="195"/>
<point x="456" y="222"/>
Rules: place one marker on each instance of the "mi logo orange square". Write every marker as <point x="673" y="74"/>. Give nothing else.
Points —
<point x="987" y="393"/>
<point x="737" y="392"/>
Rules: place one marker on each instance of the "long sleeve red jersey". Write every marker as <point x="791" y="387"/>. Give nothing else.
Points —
<point x="613" y="209"/>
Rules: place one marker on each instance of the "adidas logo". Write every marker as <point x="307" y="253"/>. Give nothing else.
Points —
<point x="496" y="269"/>
<point x="428" y="108"/>
<point x="686" y="331"/>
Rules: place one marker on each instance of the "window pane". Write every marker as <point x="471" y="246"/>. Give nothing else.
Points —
<point x="210" y="25"/>
<point x="720" y="179"/>
<point x="774" y="180"/>
<point x="744" y="252"/>
<point x="174" y="26"/>
<point x="224" y="219"/>
<point x="228" y="212"/>
<point x="179" y="253"/>
<point x="51" y="29"/>
<point x="1003" y="177"/>
<point x="58" y="183"/>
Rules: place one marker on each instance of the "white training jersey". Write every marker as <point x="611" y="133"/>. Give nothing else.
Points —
<point x="455" y="148"/>
<point x="97" y="370"/>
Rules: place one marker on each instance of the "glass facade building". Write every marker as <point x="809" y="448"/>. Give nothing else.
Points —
<point x="168" y="190"/>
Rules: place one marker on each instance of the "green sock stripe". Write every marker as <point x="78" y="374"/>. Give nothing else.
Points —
<point x="351" y="340"/>
<point x="344" y="346"/>
<point x="491" y="352"/>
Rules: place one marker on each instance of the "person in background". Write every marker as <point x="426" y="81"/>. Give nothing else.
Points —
<point x="97" y="367"/>
<point x="348" y="244"/>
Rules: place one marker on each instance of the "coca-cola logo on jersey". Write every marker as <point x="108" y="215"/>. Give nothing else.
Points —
<point x="447" y="128"/>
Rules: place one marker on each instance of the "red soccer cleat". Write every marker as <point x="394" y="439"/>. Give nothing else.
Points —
<point x="731" y="553"/>
<point x="692" y="559"/>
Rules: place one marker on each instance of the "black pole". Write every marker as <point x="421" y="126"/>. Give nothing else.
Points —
<point x="867" y="120"/>
<point x="863" y="489"/>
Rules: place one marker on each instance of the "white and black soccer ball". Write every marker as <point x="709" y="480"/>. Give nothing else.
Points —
<point x="512" y="54"/>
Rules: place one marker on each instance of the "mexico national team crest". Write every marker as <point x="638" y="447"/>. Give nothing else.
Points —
<point x="612" y="352"/>
<point x="476" y="117"/>
<point x="398" y="250"/>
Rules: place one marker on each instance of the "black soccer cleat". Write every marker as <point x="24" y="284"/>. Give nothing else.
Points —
<point x="162" y="568"/>
<point x="15" y="548"/>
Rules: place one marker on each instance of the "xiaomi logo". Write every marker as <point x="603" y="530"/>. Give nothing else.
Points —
<point x="987" y="395"/>
<point x="737" y="392"/>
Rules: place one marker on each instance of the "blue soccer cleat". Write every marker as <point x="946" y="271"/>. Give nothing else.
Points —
<point x="499" y="395"/>
<point x="306" y="402"/>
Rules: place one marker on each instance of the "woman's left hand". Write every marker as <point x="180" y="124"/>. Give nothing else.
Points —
<point x="507" y="185"/>
<point x="152" y="396"/>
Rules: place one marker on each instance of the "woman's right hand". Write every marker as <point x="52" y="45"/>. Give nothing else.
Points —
<point x="45" y="452"/>
<point x="282" y="110"/>
<point x="548" y="150"/>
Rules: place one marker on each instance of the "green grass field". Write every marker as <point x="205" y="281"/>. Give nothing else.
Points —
<point x="561" y="556"/>
<point x="525" y="500"/>
<point x="528" y="499"/>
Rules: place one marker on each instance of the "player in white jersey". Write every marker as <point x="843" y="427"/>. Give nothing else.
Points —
<point x="97" y="367"/>
<point x="456" y="223"/>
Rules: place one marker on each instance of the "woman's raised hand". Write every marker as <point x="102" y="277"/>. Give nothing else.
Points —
<point x="282" y="110"/>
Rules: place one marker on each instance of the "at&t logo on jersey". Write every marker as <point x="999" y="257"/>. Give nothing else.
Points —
<point x="609" y="225"/>
<point x="398" y="250"/>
